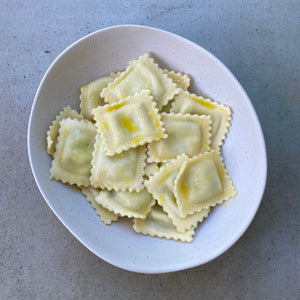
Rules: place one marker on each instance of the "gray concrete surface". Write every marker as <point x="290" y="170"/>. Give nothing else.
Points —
<point x="259" y="42"/>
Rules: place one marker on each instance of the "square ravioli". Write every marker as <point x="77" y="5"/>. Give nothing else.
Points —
<point x="106" y="216"/>
<point x="74" y="148"/>
<point x="203" y="181"/>
<point x="189" y="134"/>
<point x="142" y="74"/>
<point x="129" y="204"/>
<point x="90" y="95"/>
<point x="161" y="186"/>
<point x="159" y="224"/>
<point x="144" y="147"/>
<point x="182" y="80"/>
<point x="129" y="123"/>
<point x="52" y="133"/>
<point x="220" y="114"/>
<point x="123" y="171"/>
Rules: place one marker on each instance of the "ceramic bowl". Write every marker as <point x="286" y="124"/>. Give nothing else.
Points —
<point x="110" y="50"/>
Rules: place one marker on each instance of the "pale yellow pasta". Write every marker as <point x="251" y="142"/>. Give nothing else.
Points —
<point x="52" y="133"/>
<point x="129" y="204"/>
<point x="160" y="225"/>
<point x="150" y="169"/>
<point x="187" y="103"/>
<point x="74" y="148"/>
<point x="167" y="108"/>
<point x="203" y="181"/>
<point x="90" y="95"/>
<point x="129" y="123"/>
<point x="189" y="134"/>
<point x="182" y="80"/>
<point x="142" y="74"/>
<point x="161" y="186"/>
<point x="122" y="171"/>
<point x="106" y="216"/>
<point x="144" y="147"/>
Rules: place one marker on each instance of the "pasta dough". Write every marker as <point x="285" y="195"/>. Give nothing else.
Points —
<point x="52" y="133"/>
<point x="106" y="216"/>
<point x="140" y="75"/>
<point x="150" y="169"/>
<point x="129" y="123"/>
<point x="75" y="145"/>
<point x="90" y="95"/>
<point x="187" y="103"/>
<point x="203" y="181"/>
<point x="161" y="186"/>
<point x="186" y="134"/>
<point x="144" y="147"/>
<point x="130" y="204"/>
<point x="182" y="81"/>
<point x="159" y="224"/>
<point x="123" y="171"/>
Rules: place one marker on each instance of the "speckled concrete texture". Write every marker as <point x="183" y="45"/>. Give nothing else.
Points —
<point x="259" y="42"/>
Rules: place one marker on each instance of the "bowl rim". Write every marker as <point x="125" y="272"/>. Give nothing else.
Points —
<point x="125" y="266"/>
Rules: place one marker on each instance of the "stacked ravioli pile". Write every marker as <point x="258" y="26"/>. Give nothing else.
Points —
<point x="144" y="147"/>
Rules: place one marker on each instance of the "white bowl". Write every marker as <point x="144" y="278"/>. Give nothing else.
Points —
<point x="244" y="152"/>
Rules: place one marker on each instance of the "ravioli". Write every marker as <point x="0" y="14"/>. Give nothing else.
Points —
<point x="129" y="204"/>
<point x="75" y="145"/>
<point x="159" y="224"/>
<point x="106" y="216"/>
<point x="189" y="134"/>
<point x="144" y="147"/>
<point x="203" y="181"/>
<point x="123" y="171"/>
<point x="90" y="95"/>
<point x="161" y="186"/>
<point x="142" y="74"/>
<point x="220" y="114"/>
<point x="129" y="123"/>
<point x="52" y="133"/>
<point x="182" y="80"/>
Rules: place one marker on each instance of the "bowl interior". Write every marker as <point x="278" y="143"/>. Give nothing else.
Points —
<point x="244" y="153"/>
